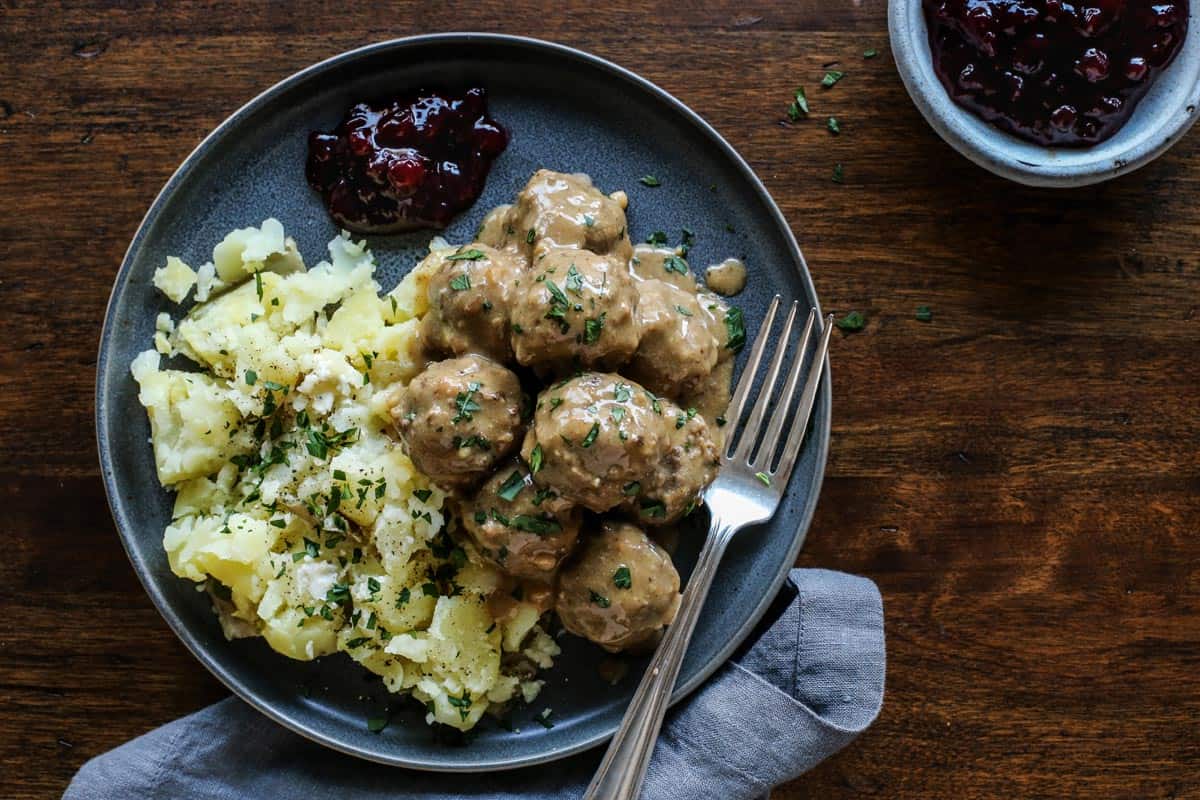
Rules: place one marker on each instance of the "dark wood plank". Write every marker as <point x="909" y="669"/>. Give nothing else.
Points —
<point x="1021" y="475"/>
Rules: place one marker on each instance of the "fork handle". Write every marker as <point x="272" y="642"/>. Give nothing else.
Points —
<point x="624" y="765"/>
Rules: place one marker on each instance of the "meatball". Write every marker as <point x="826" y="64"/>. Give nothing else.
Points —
<point x="524" y="529"/>
<point x="458" y="418"/>
<point x="678" y="345"/>
<point x="577" y="309"/>
<point x="559" y="210"/>
<point x="620" y="590"/>
<point x="672" y="487"/>
<point x="469" y="299"/>
<point x="594" y="437"/>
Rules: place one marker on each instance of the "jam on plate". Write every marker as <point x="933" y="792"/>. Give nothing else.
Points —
<point x="412" y="161"/>
<point x="1052" y="71"/>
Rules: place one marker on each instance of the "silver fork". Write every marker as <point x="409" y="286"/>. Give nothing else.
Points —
<point x="754" y="474"/>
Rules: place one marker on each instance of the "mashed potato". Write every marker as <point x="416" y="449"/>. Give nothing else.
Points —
<point x="293" y="504"/>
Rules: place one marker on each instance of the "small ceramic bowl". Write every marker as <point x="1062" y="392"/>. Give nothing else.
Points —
<point x="1160" y="119"/>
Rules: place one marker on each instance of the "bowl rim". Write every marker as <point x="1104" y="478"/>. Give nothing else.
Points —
<point x="993" y="149"/>
<point x="818" y="435"/>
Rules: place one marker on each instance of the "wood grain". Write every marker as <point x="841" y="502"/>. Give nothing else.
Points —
<point x="1020" y="475"/>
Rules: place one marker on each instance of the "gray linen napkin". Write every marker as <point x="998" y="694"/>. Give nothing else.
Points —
<point x="807" y="683"/>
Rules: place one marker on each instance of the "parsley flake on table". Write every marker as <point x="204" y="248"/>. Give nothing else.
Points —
<point x="649" y="180"/>
<point x="832" y="77"/>
<point x="833" y="126"/>
<point x="799" y="106"/>
<point x="838" y="174"/>
<point x="870" y="53"/>
<point x="924" y="314"/>
<point x="852" y="322"/>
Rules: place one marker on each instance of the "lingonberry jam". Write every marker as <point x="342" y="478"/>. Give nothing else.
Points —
<point x="413" y="161"/>
<point x="1051" y="71"/>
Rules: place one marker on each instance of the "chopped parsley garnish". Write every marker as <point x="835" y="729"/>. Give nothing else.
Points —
<point x="279" y="523"/>
<point x="589" y="220"/>
<point x="657" y="239"/>
<point x="319" y="443"/>
<point x="621" y="578"/>
<point x="618" y="413"/>
<point x="463" y="704"/>
<point x="799" y="104"/>
<point x="854" y="321"/>
<point x="543" y="719"/>
<point x="460" y="283"/>
<point x="649" y="180"/>
<point x="590" y="439"/>
<point x="358" y="641"/>
<point x="312" y="548"/>
<point x="535" y="459"/>
<point x="832" y="77"/>
<point x="653" y="508"/>
<point x="593" y="327"/>
<point x="558" y="305"/>
<point x="622" y="393"/>
<point x="735" y="327"/>
<point x="403" y="597"/>
<point x="464" y="403"/>
<point x="675" y="264"/>
<point x="838" y="173"/>
<point x="511" y="487"/>
<point x="474" y="440"/>
<point x="632" y="489"/>
<point x="764" y="477"/>
<point x="338" y="593"/>
<point x="924" y="314"/>
<point x="542" y="495"/>
<point x="258" y="287"/>
<point x="503" y="520"/>
<point x="251" y="377"/>
<point x="373" y="586"/>
<point x="683" y="311"/>
<point x="473" y="254"/>
<point x="833" y="126"/>
<point x="376" y="724"/>
<point x="481" y="517"/>
<point x="598" y="599"/>
<point x="574" y="282"/>
<point x="542" y="527"/>
<point x="529" y="237"/>
<point x="429" y="589"/>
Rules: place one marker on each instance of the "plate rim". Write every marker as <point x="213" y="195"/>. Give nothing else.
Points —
<point x="819" y="433"/>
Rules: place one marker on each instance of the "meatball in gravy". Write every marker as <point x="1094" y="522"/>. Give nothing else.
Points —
<point x="679" y="344"/>
<point x="556" y="209"/>
<point x="469" y="300"/>
<point x="594" y="437"/>
<point x="577" y="310"/>
<point x="458" y="418"/>
<point x="620" y="590"/>
<point x="524" y="529"/>
<point x="675" y="482"/>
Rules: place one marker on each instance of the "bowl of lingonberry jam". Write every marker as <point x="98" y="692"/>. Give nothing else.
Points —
<point x="1052" y="92"/>
<point x="412" y="160"/>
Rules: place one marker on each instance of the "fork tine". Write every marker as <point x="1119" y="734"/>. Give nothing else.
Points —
<point x="796" y="437"/>
<point x="738" y="403"/>
<point x="770" y="442"/>
<point x="750" y="432"/>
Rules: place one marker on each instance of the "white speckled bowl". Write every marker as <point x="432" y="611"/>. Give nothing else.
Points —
<point x="1162" y="117"/>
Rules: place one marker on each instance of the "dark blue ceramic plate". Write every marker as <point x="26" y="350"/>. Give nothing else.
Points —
<point x="565" y="110"/>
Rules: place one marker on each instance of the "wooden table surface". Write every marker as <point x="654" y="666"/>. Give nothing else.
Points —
<point x="1020" y="475"/>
